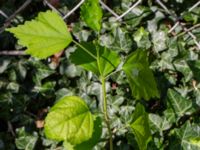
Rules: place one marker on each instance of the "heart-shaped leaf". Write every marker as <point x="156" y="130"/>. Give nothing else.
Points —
<point x="69" y="120"/>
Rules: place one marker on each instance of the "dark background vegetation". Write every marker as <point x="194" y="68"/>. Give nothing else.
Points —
<point x="29" y="87"/>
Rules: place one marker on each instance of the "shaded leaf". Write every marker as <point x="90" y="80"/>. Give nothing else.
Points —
<point x="108" y="59"/>
<point x="140" y="127"/>
<point x="141" y="79"/>
<point x="44" y="36"/>
<point x="195" y="67"/>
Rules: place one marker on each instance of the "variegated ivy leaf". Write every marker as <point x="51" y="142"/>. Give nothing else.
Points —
<point x="43" y="36"/>
<point x="187" y="137"/>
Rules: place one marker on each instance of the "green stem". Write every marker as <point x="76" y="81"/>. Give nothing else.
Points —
<point x="85" y="49"/>
<point x="105" y="112"/>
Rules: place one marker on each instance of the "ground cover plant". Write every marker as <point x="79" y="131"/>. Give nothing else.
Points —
<point x="109" y="84"/>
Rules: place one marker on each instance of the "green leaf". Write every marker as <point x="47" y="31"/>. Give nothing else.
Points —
<point x="108" y="59"/>
<point x="44" y="36"/>
<point x="177" y="106"/>
<point x="69" y="120"/>
<point x="141" y="79"/>
<point x="187" y="137"/>
<point x="140" y="127"/>
<point x="25" y="141"/>
<point x="158" y="123"/>
<point x="195" y="67"/>
<point x="159" y="39"/>
<point x="91" y="13"/>
<point x="88" y="145"/>
<point x="141" y="37"/>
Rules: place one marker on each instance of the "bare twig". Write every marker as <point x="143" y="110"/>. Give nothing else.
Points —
<point x="184" y="28"/>
<point x="174" y="27"/>
<point x="19" y="10"/>
<point x="51" y="6"/>
<point x="12" y="53"/>
<point x="190" y="29"/>
<point x="74" y="9"/>
<point x="194" y="6"/>
<point x="7" y="23"/>
<point x="3" y="14"/>
<point x="10" y="128"/>
<point x="125" y="13"/>
<point x="110" y="10"/>
<point x="164" y="7"/>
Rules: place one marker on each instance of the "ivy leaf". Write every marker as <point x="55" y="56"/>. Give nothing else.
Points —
<point x="187" y="137"/>
<point x="141" y="37"/>
<point x="140" y="127"/>
<point x="177" y="106"/>
<point x="141" y="79"/>
<point x="108" y="59"/>
<point x="44" y="36"/>
<point x="158" y="123"/>
<point x="91" y="13"/>
<point x="69" y="120"/>
<point x="24" y="140"/>
<point x="195" y="67"/>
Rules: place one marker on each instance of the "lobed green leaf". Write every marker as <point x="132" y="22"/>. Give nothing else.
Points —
<point x="44" y="36"/>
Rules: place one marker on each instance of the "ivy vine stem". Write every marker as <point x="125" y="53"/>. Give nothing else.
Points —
<point x="105" y="112"/>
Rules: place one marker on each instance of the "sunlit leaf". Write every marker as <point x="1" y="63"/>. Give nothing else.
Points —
<point x="92" y="14"/>
<point x="69" y="120"/>
<point x="44" y="36"/>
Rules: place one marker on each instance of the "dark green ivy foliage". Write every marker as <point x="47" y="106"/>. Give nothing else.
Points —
<point x="29" y="87"/>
